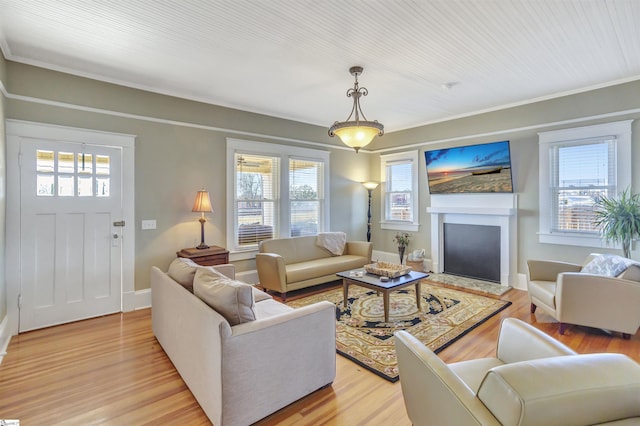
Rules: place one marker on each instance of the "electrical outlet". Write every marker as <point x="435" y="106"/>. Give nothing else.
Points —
<point x="149" y="224"/>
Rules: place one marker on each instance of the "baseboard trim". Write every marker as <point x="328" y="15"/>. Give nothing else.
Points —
<point x="142" y="299"/>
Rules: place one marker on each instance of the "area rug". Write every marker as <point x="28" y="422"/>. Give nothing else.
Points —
<point x="470" y="284"/>
<point x="364" y="337"/>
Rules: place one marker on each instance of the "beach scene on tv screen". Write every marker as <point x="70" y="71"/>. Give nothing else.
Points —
<point x="474" y="168"/>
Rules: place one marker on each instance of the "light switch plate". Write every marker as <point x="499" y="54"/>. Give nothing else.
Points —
<point x="149" y="224"/>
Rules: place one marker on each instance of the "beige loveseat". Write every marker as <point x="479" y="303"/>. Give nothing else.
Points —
<point x="241" y="373"/>
<point x="533" y="380"/>
<point x="287" y="264"/>
<point x="585" y="295"/>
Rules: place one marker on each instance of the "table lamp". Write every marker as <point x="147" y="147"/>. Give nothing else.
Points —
<point x="202" y="205"/>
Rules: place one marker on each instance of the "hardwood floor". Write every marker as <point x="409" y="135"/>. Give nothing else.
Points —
<point x="111" y="370"/>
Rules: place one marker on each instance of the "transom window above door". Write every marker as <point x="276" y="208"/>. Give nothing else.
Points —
<point x="72" y="174"/>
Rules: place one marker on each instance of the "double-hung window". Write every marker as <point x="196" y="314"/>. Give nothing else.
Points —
<point x="577" y="166"/>
<point x="275" y="191"/>
<point x="400" y="191"/>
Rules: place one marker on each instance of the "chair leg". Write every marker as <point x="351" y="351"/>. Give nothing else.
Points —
<point x="562" y="327"/>
<point x="533" y="308"/>
<point x="626" y="336"/>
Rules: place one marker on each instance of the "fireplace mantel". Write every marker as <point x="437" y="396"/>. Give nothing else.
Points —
<point x="477" y="209"/>
<point x="473" y="210"/>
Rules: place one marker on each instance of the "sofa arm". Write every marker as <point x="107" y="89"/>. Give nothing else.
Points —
<point x="277" y="360"/>
<point x="359" y="248"/>
<point x="598" y="301"/>
<point x="519" y="341"/>
<point x="228" y="269"/>
<point x="588" y="389"/>
<point x="547" y="270"/>
<point x="271" y="271"/>
<point x="432" y="392"/>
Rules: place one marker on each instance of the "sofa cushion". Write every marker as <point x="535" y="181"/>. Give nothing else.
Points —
<point x="230" y="298"/>
<point x="324" y="266"/>
<point x="609" y="265"/>
<point x="182" y="271"/>
<point x="473" y="371"/>
<point x="587" y="389"/>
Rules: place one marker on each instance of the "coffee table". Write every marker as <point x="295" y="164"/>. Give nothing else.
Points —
<point x="362" y="278"/>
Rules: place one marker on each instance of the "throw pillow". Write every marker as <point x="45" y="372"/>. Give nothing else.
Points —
<point x="258" y="295"/>
<point x="609" y="265"/>
<point x="182" y="271"/>
<point x="230" y="298"/>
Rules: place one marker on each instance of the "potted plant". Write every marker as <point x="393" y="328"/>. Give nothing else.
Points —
<point x="619" y="218"/>
<point x="402" y="240"/>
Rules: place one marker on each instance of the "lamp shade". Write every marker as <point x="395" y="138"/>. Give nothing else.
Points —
<point x="202" y="203"/>
<point x="370" y="185"/>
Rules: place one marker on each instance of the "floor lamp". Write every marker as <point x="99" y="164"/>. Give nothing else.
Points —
<point x="370" y="187"/>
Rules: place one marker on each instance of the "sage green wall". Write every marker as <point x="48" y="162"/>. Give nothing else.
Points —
<point x="3" y="190"/>
<point x="173" y="161"/>
<point x="520" y="125"/>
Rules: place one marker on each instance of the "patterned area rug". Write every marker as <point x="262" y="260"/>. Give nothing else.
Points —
<point x="470" y="284"/>
<point x="364" y="337"/>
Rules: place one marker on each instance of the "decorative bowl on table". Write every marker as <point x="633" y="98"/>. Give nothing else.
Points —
<point x="387" y="269"/>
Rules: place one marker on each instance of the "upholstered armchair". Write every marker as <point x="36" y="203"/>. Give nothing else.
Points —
<point x="572" y="295"/>
<point x="533" y="380"/>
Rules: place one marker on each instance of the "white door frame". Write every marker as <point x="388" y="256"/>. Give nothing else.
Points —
<point x="17" y="129"/>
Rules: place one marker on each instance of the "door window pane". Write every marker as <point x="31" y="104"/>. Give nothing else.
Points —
<point x="65" y="162"/>
<point x="103" y="163"/>
<point x="66" y="185"/>
<point x="85" y="186"/>
<point x="44" y="161"/>
<point x="85" y="163"/>
<point x="102" y="186"/>
<point x="45" y="185"/>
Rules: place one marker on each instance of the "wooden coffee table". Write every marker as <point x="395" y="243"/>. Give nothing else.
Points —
<point x="363" y="279"/>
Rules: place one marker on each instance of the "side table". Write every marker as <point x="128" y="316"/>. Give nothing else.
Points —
<point x="211" y="256"/>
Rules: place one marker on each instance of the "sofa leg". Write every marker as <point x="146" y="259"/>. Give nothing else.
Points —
<point x="626" y="336"/>
<point x="533" y="308"/>
<point x="562" y="327"/>
<point x="284" y="296"/>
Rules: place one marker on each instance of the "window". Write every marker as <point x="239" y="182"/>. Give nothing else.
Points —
<point x="400" y="191"/>
<point x="576" y="166"/>
<point x="277" y="191"/>
<point x="69" y="174"/>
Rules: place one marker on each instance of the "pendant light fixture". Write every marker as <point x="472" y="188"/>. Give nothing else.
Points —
<point x="359" y="132"/>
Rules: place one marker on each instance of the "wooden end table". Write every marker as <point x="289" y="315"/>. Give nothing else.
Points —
<point x="363" y="279"/>
<point x="211" y="256"/>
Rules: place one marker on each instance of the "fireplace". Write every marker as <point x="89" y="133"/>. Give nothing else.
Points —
<point x="496" y="213"/>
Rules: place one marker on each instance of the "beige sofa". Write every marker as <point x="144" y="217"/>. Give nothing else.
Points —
<point x="287" y="264"/>
<point x="239" y="374"/>
<point x="533" y="380"/>
<point x="573" y="296"/>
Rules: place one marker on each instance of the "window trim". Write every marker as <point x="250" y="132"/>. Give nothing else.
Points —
<point x="285" y="152"/>
<point x="413" y="157"/>
<point x="622" y="131"/>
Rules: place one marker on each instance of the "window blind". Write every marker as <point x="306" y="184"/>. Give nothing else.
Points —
<point x="581" y="171"/>
<point x="399" y="189"/>
<point x="306" y="196"/>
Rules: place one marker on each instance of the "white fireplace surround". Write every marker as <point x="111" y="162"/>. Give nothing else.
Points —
<point x="477" y="209"/>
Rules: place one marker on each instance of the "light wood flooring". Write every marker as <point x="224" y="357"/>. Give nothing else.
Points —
<point x="111" y="370"/>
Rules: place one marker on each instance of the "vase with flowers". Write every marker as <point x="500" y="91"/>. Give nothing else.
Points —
<point x="402" y="240"/>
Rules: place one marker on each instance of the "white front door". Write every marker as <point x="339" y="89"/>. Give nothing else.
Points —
<point x="70" y="256"/>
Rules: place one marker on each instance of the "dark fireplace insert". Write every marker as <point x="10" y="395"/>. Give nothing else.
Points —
<point x="472" y="251"/>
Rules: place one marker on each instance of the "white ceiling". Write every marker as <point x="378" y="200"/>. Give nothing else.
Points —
<point x="290" y="58"/>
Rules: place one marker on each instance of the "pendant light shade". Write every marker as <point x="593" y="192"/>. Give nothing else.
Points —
<point x="356" y="133"/>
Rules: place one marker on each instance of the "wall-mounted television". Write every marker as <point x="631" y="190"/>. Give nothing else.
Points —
<point x="482" y="168"/>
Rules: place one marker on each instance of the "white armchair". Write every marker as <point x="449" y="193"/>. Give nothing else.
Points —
<point x="574" y="297"/>
<point x="533" y="380"/>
